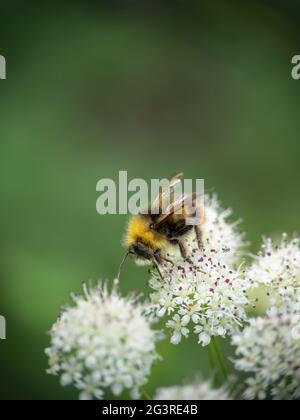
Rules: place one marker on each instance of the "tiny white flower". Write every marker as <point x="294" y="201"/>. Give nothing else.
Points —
<point x="178" y="324"/>
<point x="103" y="342"/>
<point x="204" y="339"/>
<point x="66" y="379"/>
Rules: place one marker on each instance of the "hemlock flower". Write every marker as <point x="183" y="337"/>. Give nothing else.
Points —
<point x="278" y="268"/>
<point x="103" y="342"/>
<point x="204" y="296"/>
<point x="269" y="351"/>
<point x="202" y="391"/>
<point x="178" y="324"/>
<point x="219" y="233"/>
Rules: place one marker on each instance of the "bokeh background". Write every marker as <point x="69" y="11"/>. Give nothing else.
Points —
<point x="150" y="87"/>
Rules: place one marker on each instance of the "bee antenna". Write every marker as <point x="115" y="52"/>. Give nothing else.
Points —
<point x="121" y="265"/>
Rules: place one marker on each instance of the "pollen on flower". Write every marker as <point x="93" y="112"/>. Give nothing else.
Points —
<point x="220" y="234"/>
<point x="103" y="342"/>
<point x="203" y="296"/>
<point x="268" y="350"/>
<point x="278" y="268"/>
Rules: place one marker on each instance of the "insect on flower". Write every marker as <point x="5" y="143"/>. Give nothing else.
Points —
<point x="164" y="225"/>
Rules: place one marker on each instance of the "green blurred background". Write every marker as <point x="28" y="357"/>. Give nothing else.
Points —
<point x="145" y="86"/>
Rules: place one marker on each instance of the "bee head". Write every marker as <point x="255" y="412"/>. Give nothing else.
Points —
<point x="141" y="250"/>
<point x="131" y="250"/>
<point x="142" y="253"/>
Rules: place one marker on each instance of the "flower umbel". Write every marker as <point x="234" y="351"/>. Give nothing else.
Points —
<point x="103" y="342"/>
<point x="202" y="295"/>
<point x="219" y="233"/>
<point x="269" y="351"/>
<point x="278" y="268"/>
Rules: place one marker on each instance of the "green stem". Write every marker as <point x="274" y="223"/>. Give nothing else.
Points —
<point x="220" y="358"/>
<point x="212" y="362"/>
<point x="145" y="394"/>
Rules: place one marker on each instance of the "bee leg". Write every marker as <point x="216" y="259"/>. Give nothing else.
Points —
<point x="160" y="258"/>
<point x="154" y="260"/>
<point x="198" y="232"/>
<point x="168" y="261"/>
<point x="184" y="251"/>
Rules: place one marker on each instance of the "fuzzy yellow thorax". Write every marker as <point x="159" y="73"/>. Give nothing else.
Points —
<point x="139" y="230"/>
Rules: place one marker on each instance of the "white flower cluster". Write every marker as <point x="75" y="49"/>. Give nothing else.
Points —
<point x="103" y="342"/>
<point x="219" y="233"/>
<point x="269" y="351"/>
<point x="202" y="391"/>
<point x="278" y="268"/>
<point x="201" y="294"/>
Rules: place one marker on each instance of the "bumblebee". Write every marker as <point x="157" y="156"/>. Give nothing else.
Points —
<point x="149" y="235"/>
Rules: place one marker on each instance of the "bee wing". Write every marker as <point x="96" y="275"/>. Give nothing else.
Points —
<point x="187" y="201"/>
<point x="165" y="194"/>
